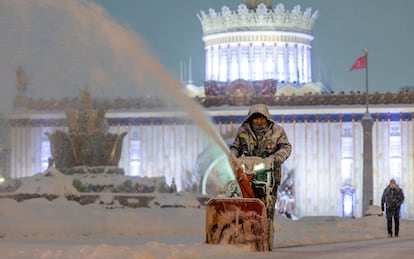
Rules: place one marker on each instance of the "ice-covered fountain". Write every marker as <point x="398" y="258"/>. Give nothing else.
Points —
<point x="87" y="147"/>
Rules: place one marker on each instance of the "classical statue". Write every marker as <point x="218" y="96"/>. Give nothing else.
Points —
<point x="21" y="80"/>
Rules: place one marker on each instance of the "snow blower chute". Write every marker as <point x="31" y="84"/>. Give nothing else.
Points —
<point x="242" y="220"/>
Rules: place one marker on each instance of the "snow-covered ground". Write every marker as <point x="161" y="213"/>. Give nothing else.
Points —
<point x="38" y="228"/>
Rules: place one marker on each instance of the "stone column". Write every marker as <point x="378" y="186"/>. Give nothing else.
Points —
<point x="286" y="63"/>
<point x="229" y="62"/>
<point x="209" y="58"/>
<point x="367" y="177"/>
<point x="275" y="68"/>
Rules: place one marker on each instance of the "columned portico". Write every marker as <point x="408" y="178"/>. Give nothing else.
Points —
<point x="328" y="154"/>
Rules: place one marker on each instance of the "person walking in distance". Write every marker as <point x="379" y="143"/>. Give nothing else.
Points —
<point x="392" y="198"/>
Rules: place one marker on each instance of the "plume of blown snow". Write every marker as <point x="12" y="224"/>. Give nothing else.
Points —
<point x="63" y="46"/>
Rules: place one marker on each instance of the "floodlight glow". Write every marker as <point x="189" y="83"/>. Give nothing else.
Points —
<point x="348" y="205"/>
<point x="258" y="167"/>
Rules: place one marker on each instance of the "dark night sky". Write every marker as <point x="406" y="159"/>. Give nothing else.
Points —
<point x="108" y="45"/>
<point x="343" y="29"/>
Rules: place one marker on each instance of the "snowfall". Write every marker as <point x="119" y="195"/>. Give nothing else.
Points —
<point x="171" y="226"/>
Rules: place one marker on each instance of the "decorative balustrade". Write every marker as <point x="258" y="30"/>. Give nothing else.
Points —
<point x="317" y="99"/>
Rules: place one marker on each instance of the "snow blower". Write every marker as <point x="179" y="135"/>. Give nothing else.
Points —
<point x="242" y="220"/>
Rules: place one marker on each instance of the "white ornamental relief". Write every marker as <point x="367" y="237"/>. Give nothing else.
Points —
<point x="261" y="18"/>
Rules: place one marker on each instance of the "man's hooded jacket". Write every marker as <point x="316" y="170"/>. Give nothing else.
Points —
<point x="269" y="141"/>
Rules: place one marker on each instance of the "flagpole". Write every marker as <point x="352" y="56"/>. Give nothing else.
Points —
<point x="367" y="123"/>
<point x="366" y="80"/>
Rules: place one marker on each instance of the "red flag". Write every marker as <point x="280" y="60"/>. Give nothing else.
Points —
<point x="360" y="63"/>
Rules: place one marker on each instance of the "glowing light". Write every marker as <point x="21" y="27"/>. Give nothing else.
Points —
<point x="258" y="167"/>
<point x="348" y="205"/>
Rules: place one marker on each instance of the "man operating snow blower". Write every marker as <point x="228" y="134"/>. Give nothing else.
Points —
<point x="256" y="155"/>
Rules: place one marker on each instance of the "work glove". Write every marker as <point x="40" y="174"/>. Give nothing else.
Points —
<point x="234" y="162"/>
<point x="277" y="159"/>
<point x="273" y="160"/>
<point x="269" y="161"/>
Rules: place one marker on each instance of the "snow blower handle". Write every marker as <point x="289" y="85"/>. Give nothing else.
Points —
<point x="241" y="177"/>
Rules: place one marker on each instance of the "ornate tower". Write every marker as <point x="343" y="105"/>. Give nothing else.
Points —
<point x="252" y="4"/>
<point x="256" y="42"/>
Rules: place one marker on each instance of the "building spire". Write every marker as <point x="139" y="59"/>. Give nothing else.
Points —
<point x="252" y="4"/>
<point x="190" y="73"/>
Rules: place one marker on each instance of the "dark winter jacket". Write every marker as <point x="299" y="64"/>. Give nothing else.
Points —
<point x="274" y="142"/>
<point x="392" y="198"/>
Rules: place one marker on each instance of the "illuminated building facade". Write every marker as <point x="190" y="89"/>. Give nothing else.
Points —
<point x="324" y="128"/>
<point x="257" y="43"/>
